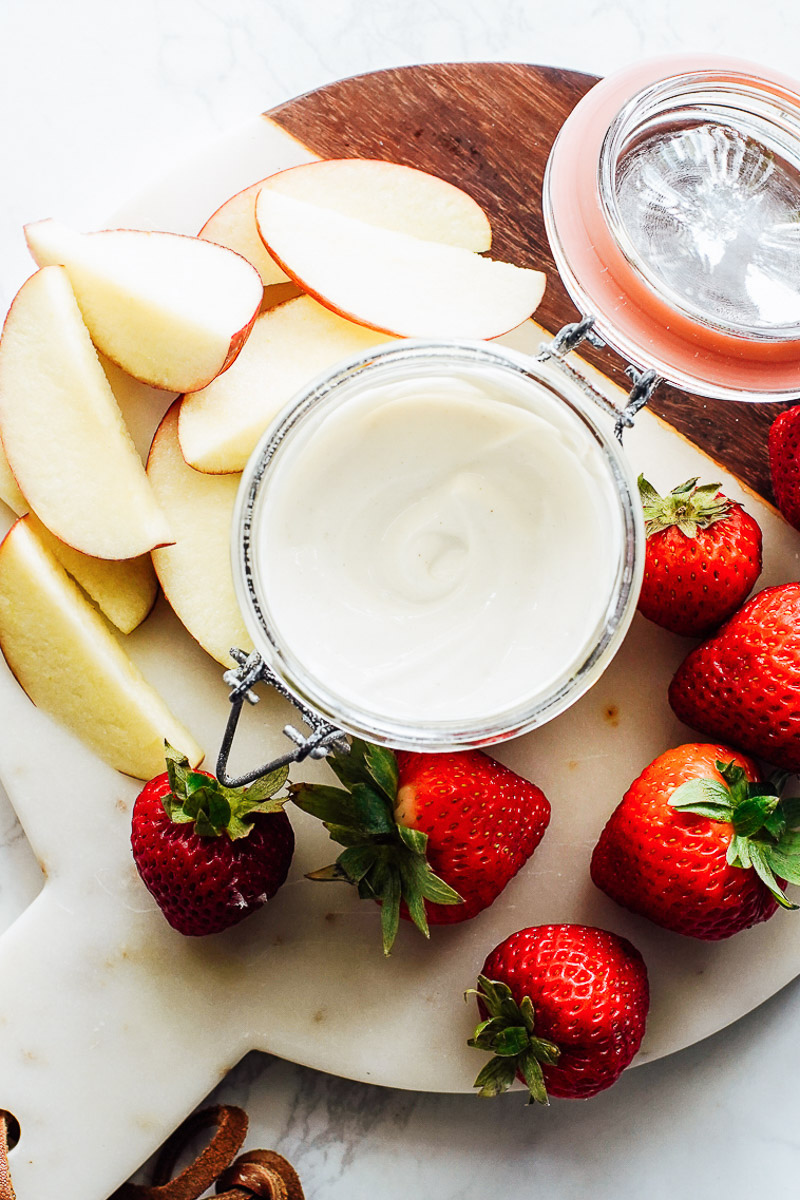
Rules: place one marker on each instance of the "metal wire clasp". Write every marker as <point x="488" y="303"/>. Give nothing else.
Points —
<point x="568" y="339"/>
<point x="323" y="736"/>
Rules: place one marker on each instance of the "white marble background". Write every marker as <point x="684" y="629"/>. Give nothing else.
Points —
<point x="97" y="98"/>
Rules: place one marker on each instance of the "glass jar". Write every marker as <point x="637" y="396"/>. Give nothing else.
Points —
<point x="384" y="375"/>
<point x="672" y="204"/>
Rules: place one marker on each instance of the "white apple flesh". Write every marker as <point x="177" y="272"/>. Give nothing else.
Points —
<point x="72" y="667"/>
<point x="389" y="196"/>
<point x="172" y="311"/>
<point x="392" y="281"/>
<point x="220" y="426"/>
<point x="62" y="430"/>
<point x="195" y="573"/>
<point x="234" y="225"/>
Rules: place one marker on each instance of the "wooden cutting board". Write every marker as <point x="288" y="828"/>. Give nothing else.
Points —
<point x="112" y="1026"/>
<point x="488" y="127"/>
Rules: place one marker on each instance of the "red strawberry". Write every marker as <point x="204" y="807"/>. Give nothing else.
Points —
<point x="702" y="557"/>
<point x="743" y="684"/>
<point x="699" y="844"/>
<point x="433" y="837"/>
<point x="210" y="855"/>
<point x="784" y="463"/>
<point x="564" y="1010"/>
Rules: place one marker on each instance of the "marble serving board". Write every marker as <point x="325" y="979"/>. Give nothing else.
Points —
<point x="113" y="1026"/>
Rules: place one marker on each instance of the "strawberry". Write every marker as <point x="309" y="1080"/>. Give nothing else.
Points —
<point x="699" y="844"/>
<point x="784" y="463"/>
<point x="564" y="1010"/>
<point x="702" y="557"/>
<point x="210" y="855"/>
<point x="433" y="837"/>
<point x="742" y="685"/>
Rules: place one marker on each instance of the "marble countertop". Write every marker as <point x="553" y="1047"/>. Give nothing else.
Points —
<point x="100" y="98"/>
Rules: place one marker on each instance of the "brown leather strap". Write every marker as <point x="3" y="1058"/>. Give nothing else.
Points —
<point x="257" y="1175"/>
<point x="230" y="1126"/>
<point x="262" y="1174"/>
<point x="6" y="1186"/>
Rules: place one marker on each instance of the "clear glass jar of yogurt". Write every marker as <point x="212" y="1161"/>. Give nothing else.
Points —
<point x="437" y="545"/>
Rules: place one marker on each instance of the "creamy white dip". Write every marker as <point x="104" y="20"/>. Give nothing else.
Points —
<point x="434" y="550"/>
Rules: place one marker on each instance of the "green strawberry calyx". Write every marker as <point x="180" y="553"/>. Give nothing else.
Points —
<point x="196" y="798"/>
<point x="383" y="859"/>
<point x="508" y="1034"/>
<point x="688" y="507"/>
<point x="766" y="826"/>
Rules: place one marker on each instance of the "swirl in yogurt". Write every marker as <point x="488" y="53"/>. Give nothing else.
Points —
<point x="434" y="549"/>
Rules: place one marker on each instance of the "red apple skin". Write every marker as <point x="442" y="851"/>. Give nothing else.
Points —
<point x="238" y="339"/>
<point x="348" y="316"/>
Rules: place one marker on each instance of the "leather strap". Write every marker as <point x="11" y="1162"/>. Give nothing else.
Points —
<point x="257" y="1175"/>
<point x="262" y="1174"/>
<point x="6" y="1186"/>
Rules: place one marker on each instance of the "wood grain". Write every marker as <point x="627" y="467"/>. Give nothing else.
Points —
<point x="488" y="127"/>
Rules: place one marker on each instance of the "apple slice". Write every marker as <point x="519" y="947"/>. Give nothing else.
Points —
<point x="172" y="311"/>
<point x="195" y="573"/>
<point x="124" y="589"/>
<point x="234" y="225"/>
<point x="393" y="281"/>
<point x="63" y="433"/>
<point x="220" y="425"/>
<point x="70" y="664"/>
<point x="389" y="196"/>
<point x="380" y="193"/>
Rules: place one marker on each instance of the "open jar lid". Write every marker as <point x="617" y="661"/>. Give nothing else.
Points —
<point x="672" y="204"/>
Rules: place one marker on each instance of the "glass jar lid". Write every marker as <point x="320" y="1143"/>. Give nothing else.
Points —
<point x="672" y="203"/>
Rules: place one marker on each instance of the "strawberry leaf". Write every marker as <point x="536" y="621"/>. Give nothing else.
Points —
<point x="531" y="1070"/>
<point x="267" y="786"/>
<point x="390" y="910"/>
<point x="382" y="767"/>
<point x="508" y="1033"/>
<point x="687" y="507"/>
<point x="496" y="1077"/>
<point x="386" y="861"/>
<point x="763" y="870"/>
<point x="200" y="799"/>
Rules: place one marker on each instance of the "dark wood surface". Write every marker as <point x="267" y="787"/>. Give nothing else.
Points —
<point x="488" y="127"/>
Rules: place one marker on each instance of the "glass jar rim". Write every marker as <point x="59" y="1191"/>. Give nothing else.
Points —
<point x="434" y="735"/>
<point x="647" y="327"/>
<point x="778" y="115"/>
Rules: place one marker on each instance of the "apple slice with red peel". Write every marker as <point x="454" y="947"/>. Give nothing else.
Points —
<point x="220" y="425"/>
<point x="173" y="311"/>
<point x="71" y="665"/>
<point x="392" y="281"/>
<point x="195" y="573"/>
<point x="389" y="196"/>
<point x="379" y="193"/>
<point x="234" y="225"/>
<point x="62" y="430"/>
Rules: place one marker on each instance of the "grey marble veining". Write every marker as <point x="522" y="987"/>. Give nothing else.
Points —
<point x="97" y="99"/>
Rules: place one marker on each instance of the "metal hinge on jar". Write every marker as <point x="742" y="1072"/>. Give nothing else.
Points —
<point x="317" y="743"/>
<point x="568" y="339"/>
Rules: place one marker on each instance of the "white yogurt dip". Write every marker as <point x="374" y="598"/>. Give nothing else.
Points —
<point x="439" y="548"/>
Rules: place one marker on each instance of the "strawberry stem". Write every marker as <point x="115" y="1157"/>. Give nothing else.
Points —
<point x="199" y="799"/>
<point x="764" y="825"/>
<point x="383" y="859"/>
<point x="688" y="507"/>
<point x="508" y="1034"/>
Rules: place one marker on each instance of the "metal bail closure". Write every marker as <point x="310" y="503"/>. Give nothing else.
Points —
<point x="323" y="736"/>
<point x="568" y="339"/>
